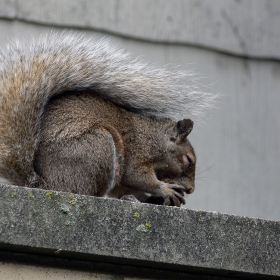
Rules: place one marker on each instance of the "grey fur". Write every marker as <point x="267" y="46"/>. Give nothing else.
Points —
<point x="30" y="74"/>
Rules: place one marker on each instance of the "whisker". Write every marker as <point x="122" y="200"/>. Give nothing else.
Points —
<point x="204" y="170"/>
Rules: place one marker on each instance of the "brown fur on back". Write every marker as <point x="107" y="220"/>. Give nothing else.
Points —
<point x="88" y="145"/>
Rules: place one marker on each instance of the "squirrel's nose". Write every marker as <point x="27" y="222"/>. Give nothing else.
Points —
<point x="190" y="190"/>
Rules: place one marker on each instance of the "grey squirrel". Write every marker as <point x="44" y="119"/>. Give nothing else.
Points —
<point x="81" y="116"/>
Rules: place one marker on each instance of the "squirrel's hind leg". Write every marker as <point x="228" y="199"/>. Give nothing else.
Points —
<point x="84" y="165"/>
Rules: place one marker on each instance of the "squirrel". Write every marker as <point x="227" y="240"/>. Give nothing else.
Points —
<point x="81" y="116"/>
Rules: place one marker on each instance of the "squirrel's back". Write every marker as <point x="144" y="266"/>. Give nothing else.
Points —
<point x="32" y="73"/>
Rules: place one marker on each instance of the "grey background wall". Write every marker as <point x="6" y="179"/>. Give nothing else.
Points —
<point x="235" y="45"/>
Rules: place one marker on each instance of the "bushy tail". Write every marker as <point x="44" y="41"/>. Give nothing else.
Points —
<point x="30" y="74"/>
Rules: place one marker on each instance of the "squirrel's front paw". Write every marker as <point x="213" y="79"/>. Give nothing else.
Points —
<point x="171" y="194"/>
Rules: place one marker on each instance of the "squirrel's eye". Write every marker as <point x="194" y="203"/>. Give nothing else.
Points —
<point x="189" y="160"/>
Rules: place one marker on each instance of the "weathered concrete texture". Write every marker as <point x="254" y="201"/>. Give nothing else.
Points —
<point x="90" y="228"/>
<point x="242" y="27"/>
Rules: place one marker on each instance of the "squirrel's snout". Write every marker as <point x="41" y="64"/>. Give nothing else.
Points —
<point x="190" y="190"/>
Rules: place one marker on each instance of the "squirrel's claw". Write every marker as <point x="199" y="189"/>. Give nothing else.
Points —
<point x="177" y="197"/>
<point x="170" y="194"/>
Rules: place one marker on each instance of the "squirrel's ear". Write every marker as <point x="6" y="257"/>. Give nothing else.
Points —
<point x="184" y="128"/>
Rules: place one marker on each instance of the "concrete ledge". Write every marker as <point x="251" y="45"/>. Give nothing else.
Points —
<point x="79" y="227"/>
<point x="248" y="28"/>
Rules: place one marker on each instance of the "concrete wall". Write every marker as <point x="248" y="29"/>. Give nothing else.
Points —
<point x="234" y="44"/>
<point x="51" y="235"/>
